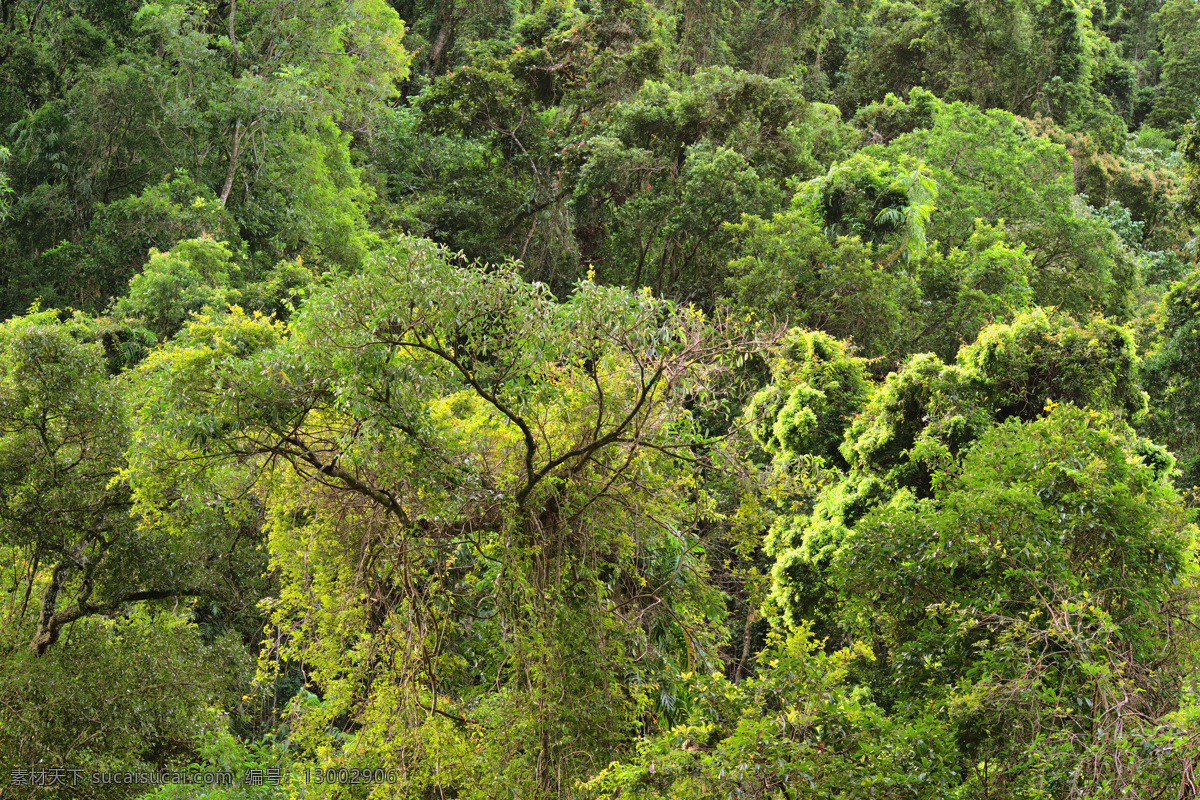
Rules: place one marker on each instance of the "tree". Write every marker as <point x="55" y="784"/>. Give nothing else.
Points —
<point x="1179" y="93"/>
<point x="98" y="675"/>
<point x="1016" y="633"/>
<point x="817" y="388"/>
<point x="137" y="693"/>
<point x="1189" y="148"/>
<point x="483" y="153"/>
<point x="63" y="438"/>
<point x="985" y="282"/>
<point x="64" y="507"/>
<point x="275" y="107"/>
<point x="797" y="728"/>
<point x="924" y="416"/>
<point x="853" y="257"/>
<point x="194" y="275"/>
<point x="988" y="166"/>
<point x="789" y="270"/>
<point x="202" y="275"/>
<point x="654" y="193"/>
<point x="1035" y="598"/>
<point x="5" y="189"/>
<point x="256" y="102"/>
<point x="480" y="505"/>
<point x="1171" y="377"/>
<point x="1024" y="58"/>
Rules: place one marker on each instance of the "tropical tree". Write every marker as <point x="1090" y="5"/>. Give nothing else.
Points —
<point x="256" y="102"/>
<point x="1179" y="93"/>
<point x="1171" y="375"/>
<point x="655" y="191"/>
<point x="481" y="506"/>
<point x="102" y="668"/>
<point x="65" y="511"/>
<point x="902" y="432"/>
<point x="975" y="157"/>
<point x="1035" y="598"/>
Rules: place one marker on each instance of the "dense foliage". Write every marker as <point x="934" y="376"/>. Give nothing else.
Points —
<point x="599" y="399"/>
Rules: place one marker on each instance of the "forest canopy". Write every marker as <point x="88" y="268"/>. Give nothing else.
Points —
<point x="599" y="399"/>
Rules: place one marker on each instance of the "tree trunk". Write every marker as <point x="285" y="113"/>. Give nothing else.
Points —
<point x="448" y="21"/>
<point x="234" y="152"/>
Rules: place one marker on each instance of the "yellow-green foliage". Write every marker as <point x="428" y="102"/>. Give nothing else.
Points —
<point x="478" y="505"/>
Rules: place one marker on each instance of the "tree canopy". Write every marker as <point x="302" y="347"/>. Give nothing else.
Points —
<point x="416" y="399"/>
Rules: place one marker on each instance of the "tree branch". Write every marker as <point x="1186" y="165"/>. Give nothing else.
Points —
<point x="48" y="633"/>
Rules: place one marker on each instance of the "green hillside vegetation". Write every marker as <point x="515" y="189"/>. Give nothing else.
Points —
<point x="599" y="399"/>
